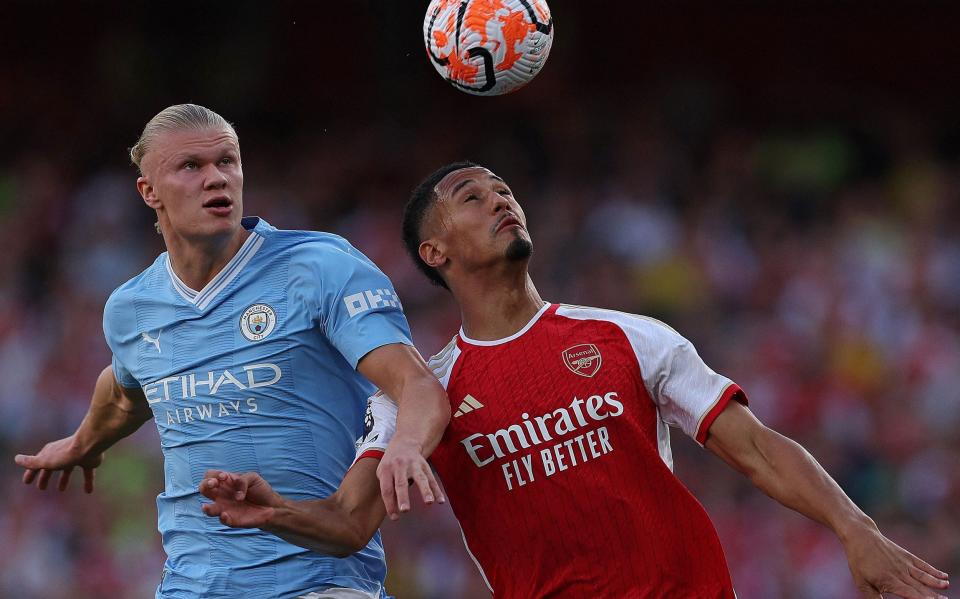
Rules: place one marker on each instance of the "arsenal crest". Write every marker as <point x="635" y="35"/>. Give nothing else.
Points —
<point x="258" y="321"/>
<point x="583" y="359"/>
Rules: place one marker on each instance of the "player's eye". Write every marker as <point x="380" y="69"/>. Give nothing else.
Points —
<point x="504" y="192"/>
<point x="471" y="196"/>
<point x="189" y="165"/>
<point x="226" y="160"/>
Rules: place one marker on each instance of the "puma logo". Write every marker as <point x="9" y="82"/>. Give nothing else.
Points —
<point x="155" y="341"/>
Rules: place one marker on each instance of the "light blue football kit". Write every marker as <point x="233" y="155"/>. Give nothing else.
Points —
<point x="256" y="372"/>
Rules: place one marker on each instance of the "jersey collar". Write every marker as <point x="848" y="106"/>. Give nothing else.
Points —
<point x="201" y="299"/>
<point x="526" y="327"/>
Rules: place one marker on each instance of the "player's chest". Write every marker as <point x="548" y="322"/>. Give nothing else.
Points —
<point x="543" y="370"/>
<point x="541" y="418"/>
<point x="509" y="400"/>
<point x="239" y="329"/>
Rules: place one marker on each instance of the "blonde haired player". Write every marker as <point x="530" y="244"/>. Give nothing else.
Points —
<point x="250" y="347"/>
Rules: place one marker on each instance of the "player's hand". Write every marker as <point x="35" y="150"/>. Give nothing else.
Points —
<point x="401" y="466"/>
<point x="63" y="456"/>
<point x="239" y="500"/>
<point x="881" y="566"/>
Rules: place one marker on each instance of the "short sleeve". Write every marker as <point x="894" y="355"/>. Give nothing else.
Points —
<point x="379" y="426"/>
<point x="114" y="316"/>
<point x="123" y="375"/>
<point x="359" y="310"/>
<point x="689" y="394"/>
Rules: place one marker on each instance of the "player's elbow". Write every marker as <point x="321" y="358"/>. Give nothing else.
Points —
<point x="440" y="404"/>
<point x="354" y="531"/>
<point x="351" y="541"/>
<point x="425" y="385"/>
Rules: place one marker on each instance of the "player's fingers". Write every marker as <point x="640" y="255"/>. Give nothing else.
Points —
<point x="28" y="476"/>
<point x="43" y="479"/>
<point x="88" y="474"/>
<point x="231" y="483"/>
<point x="225" y="482"/>
<point x="64" y="479"/>
<point x="208" y="487"/>
<point x="927" y="579"/>
<point x="423" y="483"/>
<point x="910" y="589"/>
<point x="25" y="461"/>
<point x="212" y="473"/>
<point x="233" y="520"/>
<point x="435" y="485"/>
<point x="925" y="567"/>
<point x="401" y="484"/>
<point x="211" y="509"/>
<point x="241" y="485"/>
<point x="388" y="493"/>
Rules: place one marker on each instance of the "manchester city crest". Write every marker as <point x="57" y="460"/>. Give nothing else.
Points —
<point x="258" y="321"/>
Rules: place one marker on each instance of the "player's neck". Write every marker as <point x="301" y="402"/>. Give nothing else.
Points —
<point x="495" y="311"/>
<point x="197" y="262"/>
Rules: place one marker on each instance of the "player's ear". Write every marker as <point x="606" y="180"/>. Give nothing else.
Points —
<point x="432" y="253"/>
<point x="148" y="192"/>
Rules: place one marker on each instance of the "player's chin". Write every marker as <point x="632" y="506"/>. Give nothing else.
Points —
<point x="216" y="223"/>
<point x="519" y="248"/>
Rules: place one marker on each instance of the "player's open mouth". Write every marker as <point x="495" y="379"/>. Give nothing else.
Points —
<point x="220" y="206"/>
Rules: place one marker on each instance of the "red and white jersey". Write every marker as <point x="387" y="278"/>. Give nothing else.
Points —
<point x="557" y="459"/>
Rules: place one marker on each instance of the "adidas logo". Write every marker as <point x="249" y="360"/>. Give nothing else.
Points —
<point x="469" y="404"/>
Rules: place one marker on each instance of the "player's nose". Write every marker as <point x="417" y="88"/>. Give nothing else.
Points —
<point x="499" y="202"/>
<point x="213" y="178"/>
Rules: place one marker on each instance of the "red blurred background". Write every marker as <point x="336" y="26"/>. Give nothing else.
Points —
<point x="778" y="181"/>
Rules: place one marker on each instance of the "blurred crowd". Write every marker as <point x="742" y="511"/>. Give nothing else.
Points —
<point x="819" y="269"/>
<point x="815" y="261"/>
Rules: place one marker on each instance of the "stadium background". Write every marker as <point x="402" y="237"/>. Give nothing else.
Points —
<point x="780" y="184"/>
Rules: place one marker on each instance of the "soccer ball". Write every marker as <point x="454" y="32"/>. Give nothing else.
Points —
<point x="488" y="47"/>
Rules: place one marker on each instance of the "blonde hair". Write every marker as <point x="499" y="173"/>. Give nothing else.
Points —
<point x="176" y="118"/>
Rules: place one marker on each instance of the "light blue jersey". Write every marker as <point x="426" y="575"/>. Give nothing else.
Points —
<point x="256" y="372"/>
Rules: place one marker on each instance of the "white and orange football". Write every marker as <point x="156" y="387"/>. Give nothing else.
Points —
<point x="488" y="47"/>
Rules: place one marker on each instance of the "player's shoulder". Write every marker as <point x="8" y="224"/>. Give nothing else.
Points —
<point x="142" y="283"/>
<point x="634" y="323"/>
<point x="441" y="362"/>
<point x="318" y="247"/>
<point x="121" y="304"/>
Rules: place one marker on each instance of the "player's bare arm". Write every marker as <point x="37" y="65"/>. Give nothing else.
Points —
<point x="339" y="525"/>
<point x="785" y="471"/>
<point x="424" y="413"/>
<point x="114" y="413"/>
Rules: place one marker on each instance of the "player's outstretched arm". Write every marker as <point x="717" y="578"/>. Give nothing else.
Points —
<point x="114" y="413"/>
<point x="424" y="412"/>
<point x="339" y="525"/>
<point x="785" y="471"/>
